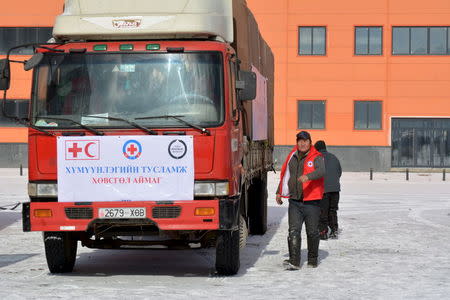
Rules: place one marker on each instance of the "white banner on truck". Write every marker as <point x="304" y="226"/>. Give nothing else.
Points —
<point x="125" y="168"/>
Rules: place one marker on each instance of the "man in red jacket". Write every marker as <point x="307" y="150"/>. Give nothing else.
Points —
<point x="302" y="183"/>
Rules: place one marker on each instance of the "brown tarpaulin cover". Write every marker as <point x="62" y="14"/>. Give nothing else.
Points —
<point x="252" y="49"/>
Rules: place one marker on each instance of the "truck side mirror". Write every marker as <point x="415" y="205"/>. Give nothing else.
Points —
<point x="4" y="74"/>
<point x="246" y="85"/>
<point x="16" y="109"/>
<point x="33" y="61"/>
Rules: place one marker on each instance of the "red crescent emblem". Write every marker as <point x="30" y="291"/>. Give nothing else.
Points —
<point x="87" y="148"/>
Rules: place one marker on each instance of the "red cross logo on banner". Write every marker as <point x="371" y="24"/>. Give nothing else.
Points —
<point x="75" y="149"/>
<point x="132" y="149"/>
<point x="82" y="150"/>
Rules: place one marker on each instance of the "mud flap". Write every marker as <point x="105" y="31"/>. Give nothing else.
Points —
<point x="229" y="214"/>
<point x="26" y="224"/>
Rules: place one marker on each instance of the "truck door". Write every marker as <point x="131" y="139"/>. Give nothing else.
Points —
<point x="236" y="128"/>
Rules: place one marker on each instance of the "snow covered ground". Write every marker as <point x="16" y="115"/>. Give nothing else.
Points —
<point x="395" y="244"/>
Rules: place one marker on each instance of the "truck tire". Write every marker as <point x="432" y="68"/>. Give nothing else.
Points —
<point x="60" y="251"/>
<point x="243" y="232"/>
<point x="257" y="206"/>
<point x="227" y="252"/>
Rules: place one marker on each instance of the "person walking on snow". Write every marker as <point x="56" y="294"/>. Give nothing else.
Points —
<point x="330" y="198"/>
<point x="302" y="183"/>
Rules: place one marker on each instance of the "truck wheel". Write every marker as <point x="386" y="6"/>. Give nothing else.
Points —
<point x="227" y="252"/>
<point x="257" y="206"/>
<point x="60" y="251"/>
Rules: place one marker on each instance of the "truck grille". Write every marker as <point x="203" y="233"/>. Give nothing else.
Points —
<point x="166" y="212"/>
<point x="79" y="212"/>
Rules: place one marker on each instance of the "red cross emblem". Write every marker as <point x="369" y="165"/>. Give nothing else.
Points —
<point x="75" y="150"/>
<point x="82" y="149"/>
<point x="132" y="149"/>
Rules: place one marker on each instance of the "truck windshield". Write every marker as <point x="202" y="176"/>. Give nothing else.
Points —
<point x="80" y="86"/>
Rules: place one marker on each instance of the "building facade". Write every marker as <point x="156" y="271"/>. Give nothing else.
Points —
<point x="371" y="78"/>
<point x="21" y="22"/>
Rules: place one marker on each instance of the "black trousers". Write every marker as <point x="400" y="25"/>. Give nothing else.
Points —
<point x="300" y="212"/>
<point x="328" y="216"/>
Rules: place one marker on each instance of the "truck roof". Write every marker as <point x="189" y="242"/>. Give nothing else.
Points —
<point x="144" y="19"/>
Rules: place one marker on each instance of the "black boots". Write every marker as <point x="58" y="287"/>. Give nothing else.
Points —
<point x="334" y="233"/>
<point x="294" y="243"/>
<point x="324" y="234"/>
<point x="313" y="251"/>
<point x="312" y="263"/>
<point x="333" y="221"/>
<point x="293" y="263"/>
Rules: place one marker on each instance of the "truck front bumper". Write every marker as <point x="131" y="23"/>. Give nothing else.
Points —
<point x="173" y="215"/>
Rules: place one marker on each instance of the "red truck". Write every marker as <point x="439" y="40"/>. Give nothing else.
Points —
<point x="149" y="125"/>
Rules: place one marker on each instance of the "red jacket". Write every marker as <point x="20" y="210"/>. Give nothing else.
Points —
<point x="312" y="189"/>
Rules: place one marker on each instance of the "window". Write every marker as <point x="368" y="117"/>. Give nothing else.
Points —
<point x="312" y="40"/>
<point x="421" y="40"/>
<point x="311" y="114"/>
<point x="439" y="40"/>
<point x="367" y="114"/>
<point x="368" y="40"/>
<point x="17" y="108"/>
<point x="421" y="142"/>
<point x="15" y="36"/>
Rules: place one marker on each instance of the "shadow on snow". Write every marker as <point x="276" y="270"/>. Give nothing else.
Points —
<point x="178" y="263"/>
<point x="8" y="217"/>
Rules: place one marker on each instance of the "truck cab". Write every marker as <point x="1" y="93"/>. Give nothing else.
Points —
<point x="140" y="137"/>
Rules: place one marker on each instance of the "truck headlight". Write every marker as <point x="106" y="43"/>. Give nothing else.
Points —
<point x="222" y="188"/>
<point x="42" y="189"/>
<point x="219" y="188"/>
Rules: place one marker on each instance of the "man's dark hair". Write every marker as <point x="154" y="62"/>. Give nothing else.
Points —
<point x="320" y="145"/>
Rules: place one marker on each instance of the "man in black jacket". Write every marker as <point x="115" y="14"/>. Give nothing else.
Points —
<point x="330" y="199"/>
<point x="302" y="183"/>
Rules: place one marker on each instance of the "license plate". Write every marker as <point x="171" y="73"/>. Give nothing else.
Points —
<point x="122" y="213"/>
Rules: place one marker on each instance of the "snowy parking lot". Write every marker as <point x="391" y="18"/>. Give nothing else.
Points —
<point x="395" y="244"/>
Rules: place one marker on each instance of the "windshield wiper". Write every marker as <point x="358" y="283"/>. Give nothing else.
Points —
<point x="134" y="124"/>
<point x="40" y="129"/>
<point x="26" y="122"/>
<point x="94" y="131"/>
<point x="178" y="118"/>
